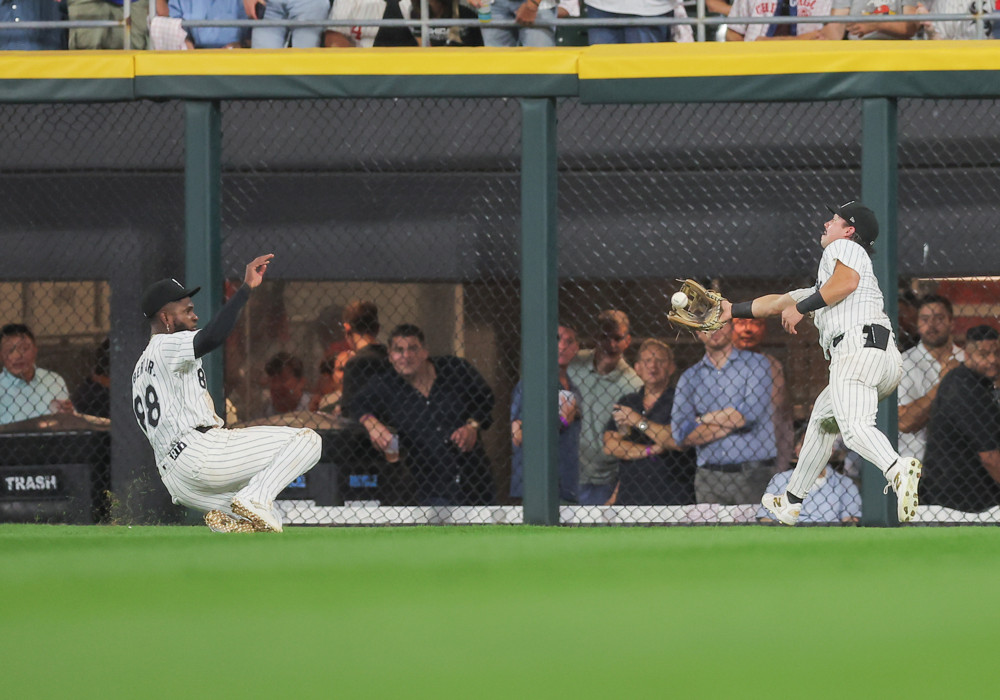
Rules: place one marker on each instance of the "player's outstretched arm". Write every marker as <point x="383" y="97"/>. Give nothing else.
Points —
<point x="761" y="307"/>
<point x="218" y="329"/>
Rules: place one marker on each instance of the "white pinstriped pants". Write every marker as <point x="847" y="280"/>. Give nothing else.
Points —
<point x="256" y="463"/>
<point x="859" y="378"/>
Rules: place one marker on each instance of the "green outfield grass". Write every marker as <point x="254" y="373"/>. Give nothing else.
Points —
<point x="499" y="612"/>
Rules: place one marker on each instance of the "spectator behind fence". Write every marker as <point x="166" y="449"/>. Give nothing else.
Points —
<point x="634" y="9"/>
<point x="286" y="385"/>
<point x="367" y="37"/>
<point x="93" y="396"/>
<point x="961" y="29"/>
<point x="781" y="8"/>
<point x="32" y="39"/>
<point x="448" y="36"/>
<point x="525" y="13"/>
<point x="205" y="37"/>
<point x="924" y="367"/>
<point x="434" y="407"/>
<point x="962" y="469"/>
<point x="748" y="334"/>
<point x="652" y="468"/>
<point x="368" y="357"/>
<point x="835" y="498"/>
<point x="601" y="376"/>
<point x="723" y="408"/>
<point x="902" y="29"/>
<point x="330" y="384"/>
<point x="107" y="37"/>
<point x="569" y="425"/>
<point x="280" y="37"/>
<point x="27" y="391"/>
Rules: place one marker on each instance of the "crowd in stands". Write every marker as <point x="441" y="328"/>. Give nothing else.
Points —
<point x="166" y="31"/>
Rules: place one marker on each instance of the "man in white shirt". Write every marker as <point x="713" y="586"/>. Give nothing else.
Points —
<point x="924" y="366"/>
<point x="779" y="8"/>
<point x="27" y="391"/>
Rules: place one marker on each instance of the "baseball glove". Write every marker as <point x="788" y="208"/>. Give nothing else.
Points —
<point x="703" y="310"/>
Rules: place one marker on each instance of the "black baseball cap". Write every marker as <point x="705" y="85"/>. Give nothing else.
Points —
<point x="161" y="293"/>
<point x="861" y="218"/>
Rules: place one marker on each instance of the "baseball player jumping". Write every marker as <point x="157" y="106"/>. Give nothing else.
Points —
<point x="865" y="365"/>
<point x="233" y="475"/>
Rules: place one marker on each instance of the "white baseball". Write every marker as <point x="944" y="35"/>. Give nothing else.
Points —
<point x="679" y="300"/>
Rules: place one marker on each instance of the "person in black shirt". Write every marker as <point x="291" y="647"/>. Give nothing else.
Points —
<point x="370" y="358"/>
<point x="652" y="469"/>
<point x="93" y="396"/>
<point x="962" y="463"/>
<point x="436" y="407"/>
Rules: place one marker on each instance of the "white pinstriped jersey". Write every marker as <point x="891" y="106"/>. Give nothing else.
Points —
<point x="364" y="37"/>
<point x="862" y="306"/>
<point x="170" y="392"/>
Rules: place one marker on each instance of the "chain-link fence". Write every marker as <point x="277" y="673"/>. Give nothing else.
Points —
<point x="412" y="206"/>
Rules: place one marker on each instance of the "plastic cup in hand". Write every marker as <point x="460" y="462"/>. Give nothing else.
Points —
<point x="392" y="450"/>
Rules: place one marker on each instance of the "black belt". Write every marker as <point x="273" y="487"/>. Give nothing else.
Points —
<point x="875" y="337"/>
<point x="204" y="428"/>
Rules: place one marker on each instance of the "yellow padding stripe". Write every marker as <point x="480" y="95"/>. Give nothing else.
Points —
<point x="593" y="63"/>
<point x="780" y="57"/>
<point x="62" y="65"/>
<point x="375" y="61"/>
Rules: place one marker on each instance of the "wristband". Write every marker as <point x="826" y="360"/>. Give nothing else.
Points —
<point x="811" y="303"/>
<point x="367" y="415"/>
<point x="565" y="423"/>
<point x="649" y="450"/>
<point x="744" y="309"/>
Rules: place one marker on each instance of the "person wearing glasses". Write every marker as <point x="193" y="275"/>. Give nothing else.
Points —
<point x="601" y="376"/>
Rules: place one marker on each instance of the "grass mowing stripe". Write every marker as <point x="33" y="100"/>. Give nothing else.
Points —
<point x="496" y="612"/>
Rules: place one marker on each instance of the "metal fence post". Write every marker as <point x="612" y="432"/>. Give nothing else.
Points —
<point x="202" y="222"/>
<point x="539" y="310"/>
<point x="879" y="190"/>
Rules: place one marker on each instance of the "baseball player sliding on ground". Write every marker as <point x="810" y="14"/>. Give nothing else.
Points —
<point x="233" y="475"/>
<point x="865" y="365"/>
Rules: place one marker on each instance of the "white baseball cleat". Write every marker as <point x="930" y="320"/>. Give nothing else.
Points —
<point x="781" y="509"/>
<point x="904" y="476"/>
<point x="219" y="521"/>
<point x="260" y="515"/>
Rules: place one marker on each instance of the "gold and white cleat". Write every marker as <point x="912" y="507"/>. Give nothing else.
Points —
<point x="781" y="509"/>
<point x="263" y="518"/>
<point x="904" y="477"/>
<point x="218" y="521"/>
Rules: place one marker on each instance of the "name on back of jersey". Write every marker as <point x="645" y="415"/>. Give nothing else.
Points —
<point x="148" y="368"/>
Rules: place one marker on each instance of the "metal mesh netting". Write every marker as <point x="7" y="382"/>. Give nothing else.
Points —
<point x="414" y="205"/>
<point x="91" y="201"/>
<point x="948" y="397"/>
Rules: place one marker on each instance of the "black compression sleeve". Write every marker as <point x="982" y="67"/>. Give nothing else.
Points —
<point x="215" y="331"/>
<point x="811" y="303"/>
